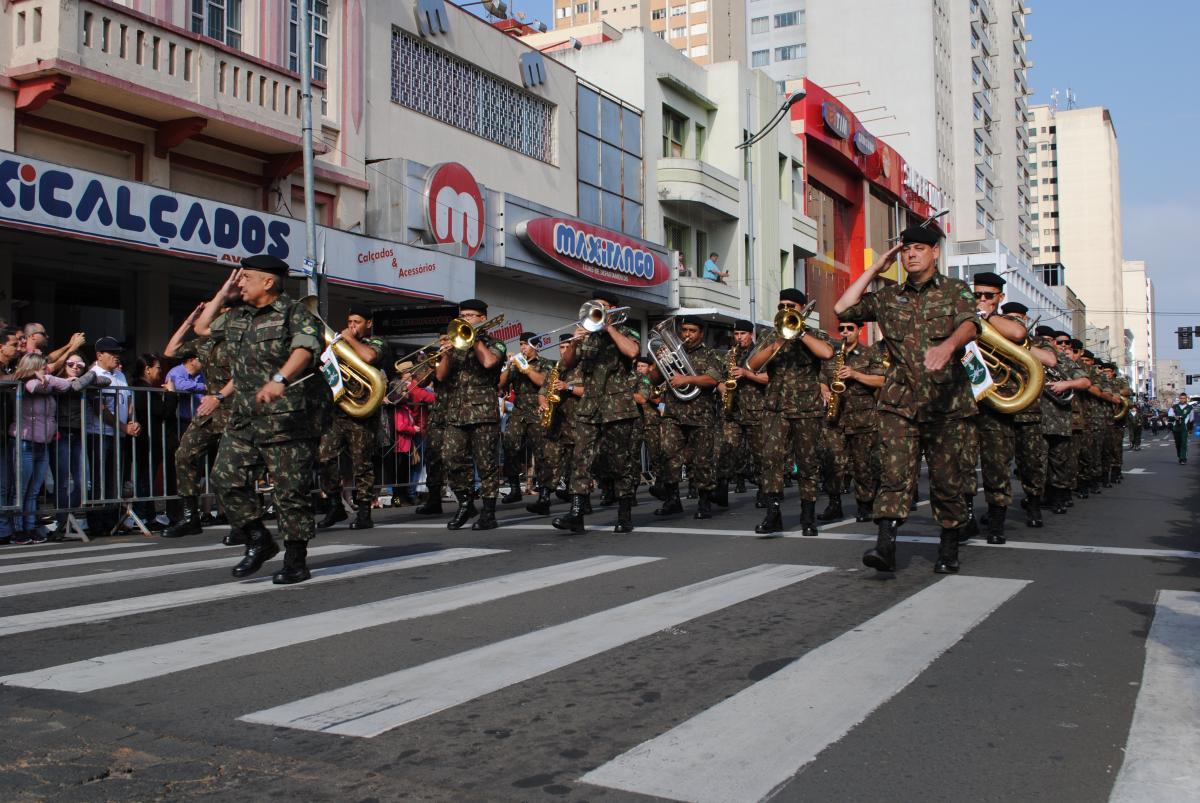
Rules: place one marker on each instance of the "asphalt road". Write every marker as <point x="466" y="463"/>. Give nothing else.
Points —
<point x="687" y="660"/>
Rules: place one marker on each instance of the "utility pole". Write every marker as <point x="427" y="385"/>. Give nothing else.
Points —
<point x="306" y="134"/>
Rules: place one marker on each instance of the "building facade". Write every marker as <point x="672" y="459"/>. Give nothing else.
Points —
<point x="707" y="31"/>
<point x="1139" y="321"/>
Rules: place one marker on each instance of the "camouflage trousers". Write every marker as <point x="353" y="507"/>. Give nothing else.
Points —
<point x="1087" y="445"/>
<point x="835" y="459"/>
<point x="1135" y="434"/>
<point x="996" y="434"/>
<point x="523" y="440"/>
<point x="1030" y="451"/>
<point x="1060" y="464"/>
<point x="435" y="455"/>
<point x="901" y="443"/>
<point x="471" y="448"/>
<point x="863" y="451"/>
<point x="617" y="440"/>
<point x="357" y="436"/>
<point x="1114" y="443"/>
<point x="651" y="431"/>
<point x="240" y="463"/>
<point x="694" y="446"/>
<point x="739" y="450"/>
<point x="788" y="441"/>
<point x="198" y="444"/>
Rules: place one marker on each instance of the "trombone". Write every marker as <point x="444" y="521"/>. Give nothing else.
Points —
<point x="593" y="316"/>
<point x="461" y="335"/>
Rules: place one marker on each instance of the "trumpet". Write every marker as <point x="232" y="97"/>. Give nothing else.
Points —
<point x="789" y="324"/>
<point x="594" y="316"/>
<point x="364" y="384"/>
<point x="668" y="353"/>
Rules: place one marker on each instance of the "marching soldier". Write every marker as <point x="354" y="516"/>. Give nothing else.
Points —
<point x="435" y="450"/>
<point x="1057" y="420"/>
<point x="1098" y="399"/>
<point x="791" y="427"/>
<point x="926" y="400"/>
<point x="857" y="420"/>
<point x="358" y="436"/>
<point x="648" y="395"/>
<point x="472" y="441"/>
<point x="740" y="446"/>
<point x="1080" y="410"/>
<point x="689" y="426"/>
<point x="560" y="438"/>
<point x="1115" y="430"/>
<point x="606" y="416"/>
<point x="279" y="411"/>
<point x="524" y="433"/>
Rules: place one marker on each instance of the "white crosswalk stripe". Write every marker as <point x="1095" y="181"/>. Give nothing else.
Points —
<point x="383" y="703"/>
<point x="114" y="609"/>
<point x="1161" y="755"/>
<point x="748" y="745"/>
<point x="163" y="659"/>
<point x="91" y="560"/>
<point x="124" y="575"/>
<point x="55" y="550"/>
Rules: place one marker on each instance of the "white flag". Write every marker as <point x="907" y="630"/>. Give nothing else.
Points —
<point x="332" y="372"/>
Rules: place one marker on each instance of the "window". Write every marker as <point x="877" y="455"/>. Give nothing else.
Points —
<point x="679" y="33"/>
<point x="699" y="29"/>
<point x="974" y="41"/>
<point x="789" y="52"/>
<point x="700" y="50"/>
<point x="760" y="25"/>
<point x="701" y="131"/>
<point x="979" y="181"/>
<point x="787" y="19"/>
<point x="661" y="34"/>
<point x="698" y="6"/>
<point x="658" y="13"/>
<point x="674" y="126"/>
<point x="581" y="8"/>
<point x="559" y="13"/>
<point x="319" y="9"/>
<point x="678" y="11"/>
<point x="455" y="92"/>
<point x="978" y="145"/>
<point x="218" y="19"/>
<point x="610" y="162"/>
<point x="675" y="238"/>
<point x="1033" y="132"/>
<point x="760" y="58"/>
<point x="989" y="225"/>
<point x="979" y="214"/>
<point x="975" y="75"/>
<point x="976" y="110"/>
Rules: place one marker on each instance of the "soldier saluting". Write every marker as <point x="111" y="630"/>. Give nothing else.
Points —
<point x="275" y="420"/>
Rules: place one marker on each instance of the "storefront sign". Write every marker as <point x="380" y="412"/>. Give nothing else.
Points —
<point x="70" y="202"/>
<point x="454" y="210"/>
<point x="836" y="120"/>
<point x="922" y="188"/>
<point x="600" y="254"/>
<point x="864" y="143"/>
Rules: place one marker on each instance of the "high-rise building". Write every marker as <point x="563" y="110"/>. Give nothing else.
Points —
<point x="1139" y="324"/>
<point x="707" y="31"/>
<point x="1076" y="211"/>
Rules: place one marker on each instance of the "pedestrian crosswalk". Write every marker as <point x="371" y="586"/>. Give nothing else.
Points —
<point x="745" y="744"/>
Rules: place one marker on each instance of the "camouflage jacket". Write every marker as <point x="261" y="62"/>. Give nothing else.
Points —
<point x="750" y="397"/>
<point x="857" y="410"/>
<point x="562" y="428"/>
<point x="609" y="377"/>
<point x="645" y="386"/>
<point x="794" y="387"/>
<point x="213" y="353"/>
<point x="1121" y="388"/>
<point x="1097" y="408"/>
<point x="913" y="319"/>
<point x="260" y="340"/>
<point x="702" y="410"/>
<point x="1056" y="418"/>
<point x="525" y="391"/>
<point x="441" y="402"/>
<point x="475" y="389"/>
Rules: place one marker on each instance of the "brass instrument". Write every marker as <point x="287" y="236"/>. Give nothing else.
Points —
<point x="462" y="334"/>
<point x="1054" y="375"/>
<point x="1122" y="408"/>
<point x="1006" y="360"/>
<point x="552" y="397"/>
<point x="668" y="353"/>
<point x="789" y="324"/>
<point x="836" y="386"/>
<point x="594" y="316"/>
<point x="364" y="385"/>
<point x="730" y="383"/>
<point x="399" y="392"/>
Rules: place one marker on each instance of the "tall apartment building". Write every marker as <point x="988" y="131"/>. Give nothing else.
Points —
<point x="707" y="31"/>
<point x="1076" y="211"/>
<point x="1139" y="320"/>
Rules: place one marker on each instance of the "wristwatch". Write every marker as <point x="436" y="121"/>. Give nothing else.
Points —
<point x="280" y="378"/>
<point x="219" y="396"/>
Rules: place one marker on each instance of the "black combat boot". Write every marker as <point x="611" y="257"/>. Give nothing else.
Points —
<point x="542" y="505"/>
<point x="189" y="521"/>
<point x="704" y="505"/>
<point x="573" y="520"/>
<point x="832" y="511"/>
<point x="671" y="504"/>
<point x="624" y="515"/>
<point x="487" y="519"/>
<point x="1033" y="511"/>
<point x="720" y="494"/>
<point x="1116" y="475"/>
<point x="1081" y="491"/>
<point x="1060" y="496"/>
<point x="337" y="512"/>
<point x="563" y="493"/>
<point x="608" y="494"/>
<point x="916" y="497"/>
<point x="740" y="486"/>
<point x="514" y="489"/>
<point x="1095" y="489"/>
<point x="260" y="548"/>
<point x="760" y="499"/>
<point x="362" y="516"/>
<point x="294" y="570"/>
<point x="432" y="505"/>
<point x="587" y="504"/>
<point x="808" y="518"/>
<point x="864" y="510"/>
<point x="235" y="537"/>
<point x="466" y="511"/>
<point x="772" y="525"/>
<point x="971" y="528"/>
<point x="882" y="556"/>
<point x="947" y="559"/>
<point x="658" y="490"/>
<point x="995" y="525"/>
<point x="1106" y="477"/>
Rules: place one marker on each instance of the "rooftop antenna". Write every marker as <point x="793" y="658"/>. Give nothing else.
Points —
<point x="1071" y="100"/>
<point x="1053" y="101"/>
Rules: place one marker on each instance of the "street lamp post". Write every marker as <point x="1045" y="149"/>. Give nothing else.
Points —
<point x="306" y="132"/>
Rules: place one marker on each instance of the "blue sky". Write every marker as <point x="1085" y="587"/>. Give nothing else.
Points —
<point x="1141" y="61"/>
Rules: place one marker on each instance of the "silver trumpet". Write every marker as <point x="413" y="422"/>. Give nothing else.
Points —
<point x="668" y="353"/>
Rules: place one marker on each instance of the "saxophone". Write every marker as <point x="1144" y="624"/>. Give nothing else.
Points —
<point x="552" y="398"/>
<point x="836" y="386"/>
<point x="731" y="383"/>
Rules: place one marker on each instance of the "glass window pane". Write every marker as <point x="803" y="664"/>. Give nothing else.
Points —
<point x="610" y="168"/>
<point x="589" y="159"/>
<point x="610" y="121"/>
<point x="632" y="185"/>
<point x="589" y="204"/>
<point x="589" y="111"/>
<point x="610" y="216"/>
<point x="633" y="219"/>
<point x="631" y="131"/>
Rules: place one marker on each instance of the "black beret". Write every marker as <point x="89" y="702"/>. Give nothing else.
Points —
<point x="1076" y="343"/>
<point x="564" y="337"/>
<point x="925" y="235"/>
<point x="743" y="325"/>
<point x="643" y="360"/>
<point x="473" y="304"/>
<point x="362" y="311"/>
<point x="1015" y="308"/>
<point x="1088" y="353"/>
<point x="266" y="264"/>
<point x="1057" y="333"/>
<point x="691" y="320"/>
<point x="988" y="279"/>
<point x="793" y="295"/>
<point x="526" y="337"/>
<point x="1043" y="331"/>
<point x="607" y="296"/>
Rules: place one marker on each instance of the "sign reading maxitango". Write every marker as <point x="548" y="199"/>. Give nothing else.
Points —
<point x="599" y="254"/>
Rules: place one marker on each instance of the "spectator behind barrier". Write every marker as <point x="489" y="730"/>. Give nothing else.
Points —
<point x="107" y="420"/>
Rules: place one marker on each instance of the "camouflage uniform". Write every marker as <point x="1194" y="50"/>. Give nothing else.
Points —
<point x="651" y="426"/>
<point x="689" y="428"/>
<point x="1089" y="445"/>
<point x="606" y="418"/>
<point x="435" y="439"/>
<point x="857" y="422"/>
<point x="793" y="412"/>
<point x="1056" y="429"/>
<point x="743" y="428"/>
<point x="280" y="437"/>
<point x="1080" y="407"/>
<point x="1116" y="444"/>
<point x="524" y="434"/>
<point x="472" y="440"/>
<point x="560" y="438"/>
<point x="360" y="437"/>
<point x="1005" y="436"/>
<point x="201" y="439"/>
<point x="919" y="409"/>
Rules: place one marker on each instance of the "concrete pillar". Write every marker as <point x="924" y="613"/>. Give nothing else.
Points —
<point x="152" y="302"/>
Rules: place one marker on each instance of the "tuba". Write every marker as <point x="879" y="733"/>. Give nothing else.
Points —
<point x="668" y="353"/>
<point x="1006" y="360"/>
<point x="365" y="385"/>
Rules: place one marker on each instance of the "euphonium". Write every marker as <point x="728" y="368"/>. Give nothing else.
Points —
<point x="1006" y="360"/>
<point x="365" y="385"/>
<point x="669" y="354"/>
<point x="836" y="386"/>
<point x="552" y="397"/>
